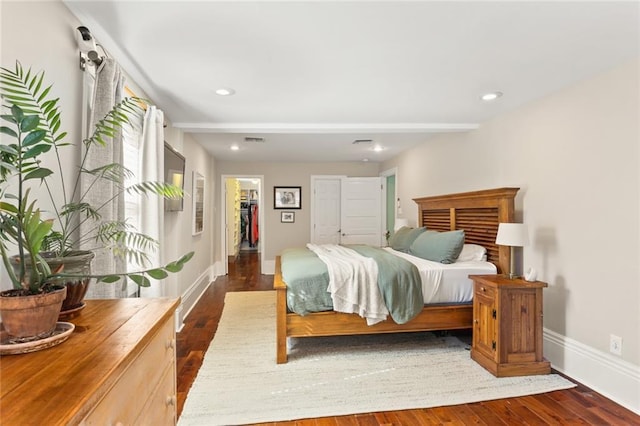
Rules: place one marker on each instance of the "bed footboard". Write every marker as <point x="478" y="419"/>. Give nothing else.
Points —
<point x="432" y="318"/>
<point x="281" y="314"/>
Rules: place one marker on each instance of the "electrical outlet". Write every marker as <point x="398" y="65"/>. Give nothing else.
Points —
<point x="615" y="344"/>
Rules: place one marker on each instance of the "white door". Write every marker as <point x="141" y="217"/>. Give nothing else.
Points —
<point x="361" y="211"/>
<point x="326" y="210"/>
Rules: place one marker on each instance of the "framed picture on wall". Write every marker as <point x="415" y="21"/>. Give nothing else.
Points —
<point x="287" y="197"/>
<point x="287" y="217"/>
<point x="198" y="203"/>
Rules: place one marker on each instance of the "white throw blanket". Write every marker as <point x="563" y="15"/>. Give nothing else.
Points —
<point x="353" y="282"/>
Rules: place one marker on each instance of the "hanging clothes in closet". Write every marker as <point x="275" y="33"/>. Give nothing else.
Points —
<point x="254" y="225"/>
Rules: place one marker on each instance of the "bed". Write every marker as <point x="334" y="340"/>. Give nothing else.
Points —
<point x="478" y="213"/>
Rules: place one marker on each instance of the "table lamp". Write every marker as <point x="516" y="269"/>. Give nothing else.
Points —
<point x="400" y="222"/>
<point x="512" y="235"/>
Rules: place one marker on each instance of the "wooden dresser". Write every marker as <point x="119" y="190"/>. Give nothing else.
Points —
<point x="507" y="326"/>
<point x="117" y="367"/>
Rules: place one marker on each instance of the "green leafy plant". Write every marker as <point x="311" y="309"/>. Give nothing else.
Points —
<point x="34" y="125"/>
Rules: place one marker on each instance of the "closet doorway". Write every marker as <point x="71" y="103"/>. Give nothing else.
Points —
<point x="242" y="224"/>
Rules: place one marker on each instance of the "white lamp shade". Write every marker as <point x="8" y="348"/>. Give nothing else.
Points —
<point x="400" y="222"/>
<point x="512" y="234"/>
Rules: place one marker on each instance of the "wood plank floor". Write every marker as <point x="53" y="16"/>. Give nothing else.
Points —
<point x="579" y="405"/>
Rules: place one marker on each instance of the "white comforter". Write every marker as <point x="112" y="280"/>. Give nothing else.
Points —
<point x="353" y="282"/>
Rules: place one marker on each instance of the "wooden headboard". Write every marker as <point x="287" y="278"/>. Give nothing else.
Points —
<point x="478" y="213"/>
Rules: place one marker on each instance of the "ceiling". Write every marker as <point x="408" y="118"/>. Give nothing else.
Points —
<point x="312" y="77"/>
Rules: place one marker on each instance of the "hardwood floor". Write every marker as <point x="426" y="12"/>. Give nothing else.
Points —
<point x="579" y="405"/>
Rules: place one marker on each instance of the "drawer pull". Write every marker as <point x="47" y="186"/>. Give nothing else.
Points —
<point x="170" y="344"/>
<point x="171" y="400"/>
<point x="483" y="289"/>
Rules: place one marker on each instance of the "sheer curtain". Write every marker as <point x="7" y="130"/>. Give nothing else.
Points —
<point x="151" y="163"/>
<point x="104" y="91"/>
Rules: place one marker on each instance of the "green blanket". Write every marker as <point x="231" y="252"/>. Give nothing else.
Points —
<point x="307" y="280"/>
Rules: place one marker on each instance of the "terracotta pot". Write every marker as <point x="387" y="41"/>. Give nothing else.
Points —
<point x="31" y="316"/>
<point x="77" y="262"/>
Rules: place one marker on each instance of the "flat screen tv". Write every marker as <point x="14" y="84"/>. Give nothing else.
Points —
<point x="174" y="164"/>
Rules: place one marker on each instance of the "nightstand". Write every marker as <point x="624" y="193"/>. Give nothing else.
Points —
<point x="507" y="325"/>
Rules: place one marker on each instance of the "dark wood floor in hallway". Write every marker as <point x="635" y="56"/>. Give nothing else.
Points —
<point x="579" y="405"/>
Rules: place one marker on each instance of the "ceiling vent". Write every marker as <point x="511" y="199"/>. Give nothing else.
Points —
<point x="359" y="141"/>
<point x="254" y="140"/>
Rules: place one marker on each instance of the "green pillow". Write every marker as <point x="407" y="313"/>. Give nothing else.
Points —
<point x="404" y="237"/>
<point x="443" y="247"/>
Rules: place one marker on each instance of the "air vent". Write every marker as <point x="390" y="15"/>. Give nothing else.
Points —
<point x="254" y="140"/>
<point x="359" y="141"/>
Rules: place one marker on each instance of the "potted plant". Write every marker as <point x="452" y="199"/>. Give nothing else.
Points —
<point x="46" y="245"/>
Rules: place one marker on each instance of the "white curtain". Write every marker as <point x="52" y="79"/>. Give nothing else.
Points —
<point x="151" y="162"/>
<point x="105" y="90"/>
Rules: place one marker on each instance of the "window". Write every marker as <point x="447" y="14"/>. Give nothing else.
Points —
<point x="131" y="142"/>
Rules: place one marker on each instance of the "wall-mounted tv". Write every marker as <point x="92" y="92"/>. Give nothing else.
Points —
<point x="174" y="164"/>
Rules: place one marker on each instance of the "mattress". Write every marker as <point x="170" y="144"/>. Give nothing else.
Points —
<point x="307" y="280"/>
<point x="448" y="283"/>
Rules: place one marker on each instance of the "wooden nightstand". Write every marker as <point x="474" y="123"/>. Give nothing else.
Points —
<point x="507" y="325"/>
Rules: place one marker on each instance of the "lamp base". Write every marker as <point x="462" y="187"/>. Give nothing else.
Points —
<point x="512" y="264"/>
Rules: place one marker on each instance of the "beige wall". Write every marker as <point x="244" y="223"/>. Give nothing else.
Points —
<point x="178" y="225"/>
<point x="575" y="155"/>
<point x="276" y="236"/>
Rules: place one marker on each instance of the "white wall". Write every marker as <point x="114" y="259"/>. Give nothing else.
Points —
<point x="575" y="157"/>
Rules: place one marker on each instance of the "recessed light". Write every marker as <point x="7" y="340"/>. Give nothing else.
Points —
<point x="234" y="147"/>
<point x="378" y="148"/>
<point x="365" y="160"/>
<point x="225" y="91"/>
<point x="491" y="96"/>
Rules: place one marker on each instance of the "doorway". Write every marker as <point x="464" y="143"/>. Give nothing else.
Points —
<point x="390" y="202"/>
<point x="242" y="222"/>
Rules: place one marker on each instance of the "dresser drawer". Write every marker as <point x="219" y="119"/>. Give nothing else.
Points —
<point x="481" y="289"/>
<point x="160" y="408"/>
<point x="123" y="402"/>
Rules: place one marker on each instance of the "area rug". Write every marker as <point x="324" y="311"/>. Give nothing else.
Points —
<point x="240" y="382"/>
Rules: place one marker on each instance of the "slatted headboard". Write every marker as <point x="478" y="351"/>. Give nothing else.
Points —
<point x="478" y="213"/>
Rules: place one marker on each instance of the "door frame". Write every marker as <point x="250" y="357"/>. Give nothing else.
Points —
<point x="383" y="204"/>
<point x="223" y="218"/>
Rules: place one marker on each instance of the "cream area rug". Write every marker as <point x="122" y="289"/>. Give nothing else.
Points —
<point x="240" y="382"/>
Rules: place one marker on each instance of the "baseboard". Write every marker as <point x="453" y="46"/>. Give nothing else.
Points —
<point x="606" y="374"/>
<point x="191" y="296"/>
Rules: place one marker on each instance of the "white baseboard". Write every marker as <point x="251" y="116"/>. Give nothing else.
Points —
<point x="191" y="296"/>
<point x="606" y="374"/>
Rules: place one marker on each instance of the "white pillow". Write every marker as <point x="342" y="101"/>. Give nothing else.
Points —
<point x="472" y="252"/>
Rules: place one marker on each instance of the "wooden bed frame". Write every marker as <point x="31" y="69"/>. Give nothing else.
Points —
<point x="478" y="213"/>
